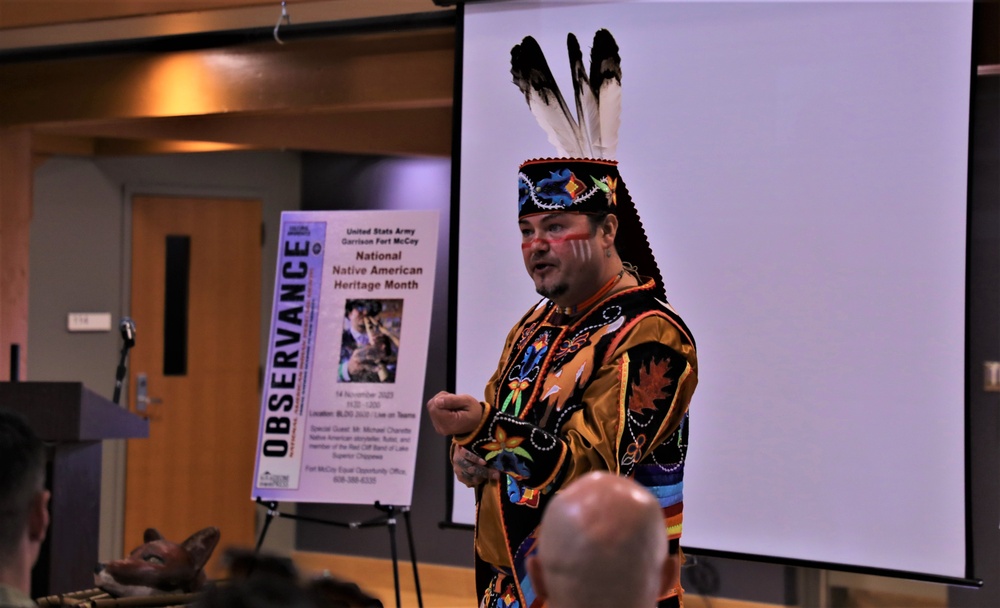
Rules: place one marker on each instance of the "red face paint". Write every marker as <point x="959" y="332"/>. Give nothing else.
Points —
<point x="558" y="240"/>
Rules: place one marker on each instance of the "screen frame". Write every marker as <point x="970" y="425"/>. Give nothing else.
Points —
<point x="970" y="580"/>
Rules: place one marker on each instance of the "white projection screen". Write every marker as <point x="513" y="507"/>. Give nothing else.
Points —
<point x="801" y="171"/>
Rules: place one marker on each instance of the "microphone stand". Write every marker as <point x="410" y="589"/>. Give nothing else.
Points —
<point x="128" y="338"/>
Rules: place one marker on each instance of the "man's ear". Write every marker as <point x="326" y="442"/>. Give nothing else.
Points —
<point x="610" y="226"/>
<point x="38" y="519"/>
<point x="537" y="578"/>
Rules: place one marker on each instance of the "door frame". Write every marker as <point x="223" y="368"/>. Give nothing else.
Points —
<point x="112" y="527"/>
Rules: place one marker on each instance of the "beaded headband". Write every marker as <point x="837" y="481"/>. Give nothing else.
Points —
<point x="566" y="184"/>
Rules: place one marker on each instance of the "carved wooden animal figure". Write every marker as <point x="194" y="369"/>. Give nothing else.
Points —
<point x="159" y="566"/>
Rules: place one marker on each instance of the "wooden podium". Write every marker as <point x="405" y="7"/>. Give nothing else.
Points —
<point x="73" y="421"/>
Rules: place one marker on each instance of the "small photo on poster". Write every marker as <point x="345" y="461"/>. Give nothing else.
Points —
<point x="370" y="344"/>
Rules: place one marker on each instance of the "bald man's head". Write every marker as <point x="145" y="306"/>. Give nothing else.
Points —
<point x="602" y="542"/>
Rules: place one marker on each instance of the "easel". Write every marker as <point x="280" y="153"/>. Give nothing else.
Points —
<point x="387" y="519"/>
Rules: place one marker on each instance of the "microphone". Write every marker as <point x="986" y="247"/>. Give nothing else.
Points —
<point x="127" y="329"/>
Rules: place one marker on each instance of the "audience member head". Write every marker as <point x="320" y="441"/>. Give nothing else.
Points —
<point x="255" y="592"/>
<point x="272" y="581"/>
<point x="255" y="581"/>
<point x="24" y="516"/>
<point x="601" y="543"/>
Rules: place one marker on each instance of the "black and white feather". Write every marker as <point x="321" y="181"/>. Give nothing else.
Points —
<point x="606" y="84"/>
<point x="593" y="131"/>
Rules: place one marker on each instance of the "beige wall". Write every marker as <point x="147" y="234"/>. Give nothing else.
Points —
<point x="79" y="255"/>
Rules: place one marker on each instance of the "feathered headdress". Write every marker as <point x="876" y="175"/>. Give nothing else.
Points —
<point x="585" y="178"/>
<point x="593" y="132"/>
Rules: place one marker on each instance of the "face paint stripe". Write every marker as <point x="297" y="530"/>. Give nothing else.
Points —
<point x="556" y="240"/>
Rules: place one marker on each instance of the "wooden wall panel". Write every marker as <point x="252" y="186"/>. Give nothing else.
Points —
<point x="383" y="71"/>
<point x="16" y="174"/>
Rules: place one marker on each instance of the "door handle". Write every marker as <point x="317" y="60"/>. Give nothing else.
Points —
<point x="142" y="398"/>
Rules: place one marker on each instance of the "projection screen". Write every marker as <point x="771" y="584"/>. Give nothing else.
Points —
<point x="801" y="171"/>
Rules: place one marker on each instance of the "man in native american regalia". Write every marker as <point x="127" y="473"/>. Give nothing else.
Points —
<point x="598" y="375"/>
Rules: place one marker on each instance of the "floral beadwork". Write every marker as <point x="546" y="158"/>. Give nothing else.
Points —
<point x="522" y="376"/>
<point x="568" y="347"/>
<point x="502" y="443"/>
<point x="562" y="190"/>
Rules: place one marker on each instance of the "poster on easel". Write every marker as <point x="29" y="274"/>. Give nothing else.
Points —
<point x="343" y="387"/>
